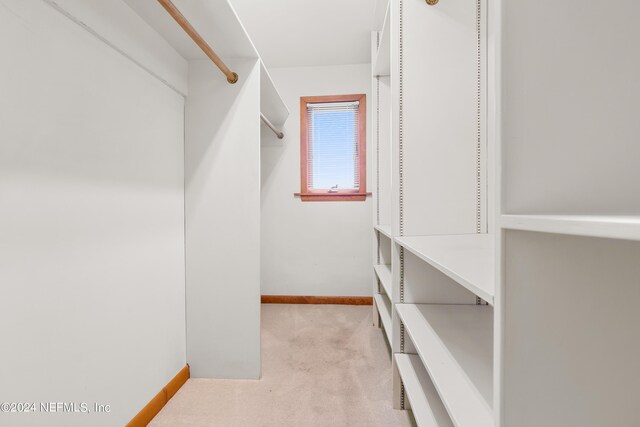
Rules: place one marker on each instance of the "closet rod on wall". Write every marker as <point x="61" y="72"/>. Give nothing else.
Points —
<point x="266" y="121"/>
<point x="188" y="28"/>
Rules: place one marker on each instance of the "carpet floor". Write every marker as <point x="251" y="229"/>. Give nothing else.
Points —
<point x="322" y="365"/>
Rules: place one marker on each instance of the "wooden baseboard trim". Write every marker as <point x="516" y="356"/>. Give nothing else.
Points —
<point x="295" y="299"/>
<point x="156" y="404"/>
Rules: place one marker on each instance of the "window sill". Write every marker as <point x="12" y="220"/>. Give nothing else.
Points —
<point x="332" y="197"/>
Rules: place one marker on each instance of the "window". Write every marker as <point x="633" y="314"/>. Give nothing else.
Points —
<point x="333" y="148"/>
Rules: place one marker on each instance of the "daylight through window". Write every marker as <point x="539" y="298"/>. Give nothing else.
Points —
<point x="333" y="147"/>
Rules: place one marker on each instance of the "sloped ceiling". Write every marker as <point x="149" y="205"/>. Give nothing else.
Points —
<point x="290" y="33"/>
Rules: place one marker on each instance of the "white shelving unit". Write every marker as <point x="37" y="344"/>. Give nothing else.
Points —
<point x="385" y="230"/>
<point x="430" y="157"/>
<point x="383" y="279"/>
<point x="569" y="224"/>
<point x="382" y="59"/>
<point x="215" y="21"/>
<point x="455" y="344"/>
<point x="383" y="305"/>
<point x="271" y="104"/>
<point x="607" y="226"/>
<point x="514" y="179"/>
<point x="208" y="102"/>
<point x="467" y="259"/>
<point x="383" y="272"/>
<point x="427" y="408"/>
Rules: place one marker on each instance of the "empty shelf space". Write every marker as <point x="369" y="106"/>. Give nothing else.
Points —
<point x="426" y="405"/>
<point x="384" y="308"/>
<point x="384" y="229"/>
<point x="384" y="274"/>
<point x="607" y="226"/>
<point x="467" y="258"/>
<point x="382" y="61"/>
<point x="455" y="343"/>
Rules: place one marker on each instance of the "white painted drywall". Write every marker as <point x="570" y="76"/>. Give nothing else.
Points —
<point x="127" y="32"/>
<point x="570" y="306"/>
<point x="222" y="167"/>
<point x="91" y="222"/>
<point x="312" y="248"/>
<point x="570" y="107"/>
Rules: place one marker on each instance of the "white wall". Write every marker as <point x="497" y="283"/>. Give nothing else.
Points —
<point x="313" y="248"/>
<point x="91" y="220"/>
<point x="570" y="108"/>
<point x="223" y="221"/>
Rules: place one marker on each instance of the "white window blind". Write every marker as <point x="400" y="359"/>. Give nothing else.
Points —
<point x="332" y="146"/>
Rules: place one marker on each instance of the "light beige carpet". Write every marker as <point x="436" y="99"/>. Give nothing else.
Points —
<point x="322" y="365"/>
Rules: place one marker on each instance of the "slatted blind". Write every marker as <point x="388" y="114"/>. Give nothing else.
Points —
<point x="332" y="146"/>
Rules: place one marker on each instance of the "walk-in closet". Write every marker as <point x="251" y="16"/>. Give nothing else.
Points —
<point x="350" y="213"/>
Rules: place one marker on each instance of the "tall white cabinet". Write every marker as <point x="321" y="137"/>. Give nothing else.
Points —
<point x="507" y="264"/>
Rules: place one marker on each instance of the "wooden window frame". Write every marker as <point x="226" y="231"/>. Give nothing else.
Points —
<point x="358" y="195"/>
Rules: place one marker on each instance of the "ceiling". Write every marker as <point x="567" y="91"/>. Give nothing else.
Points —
<point x="294" y="33"/>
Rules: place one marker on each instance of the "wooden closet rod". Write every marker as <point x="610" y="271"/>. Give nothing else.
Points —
<point x="266" y="121"/>
<point x="188" y="28"/>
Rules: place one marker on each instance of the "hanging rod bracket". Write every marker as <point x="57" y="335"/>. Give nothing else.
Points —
<point x="233" y="79"/>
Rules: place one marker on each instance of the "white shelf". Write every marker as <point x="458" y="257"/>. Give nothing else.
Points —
<point x="426" y="405"/>
<point x="379" y="14"/>
<point x="384" y="308"/>
<point x="612" y="226"/>
<point x="455" y="343"/>
<point x="384" y="229"/>
<point x="382" y="61"/>
<point x="216" y="21"/>
<point x="271" y="103"/>
<point x="384" y="274"/>
<point x="466" y="258"/>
